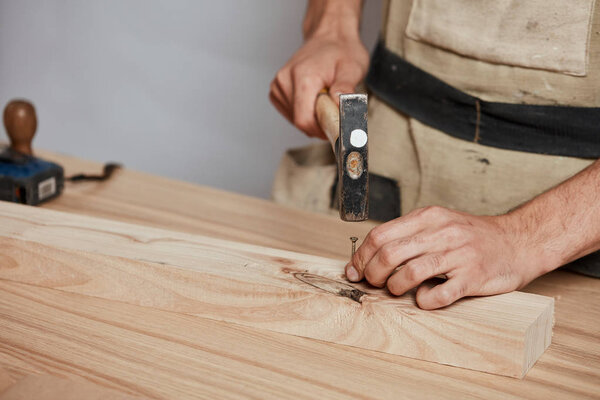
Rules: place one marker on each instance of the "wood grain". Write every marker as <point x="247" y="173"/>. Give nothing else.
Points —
<point x="150" y="200"/>
<point x="266" y="288"/>
<point x="50" y="387"/>
<point x="5" y="380"/>
<point x="154" y="354"/>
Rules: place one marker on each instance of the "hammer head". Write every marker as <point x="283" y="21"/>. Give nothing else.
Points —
<point x="352" y="156"/>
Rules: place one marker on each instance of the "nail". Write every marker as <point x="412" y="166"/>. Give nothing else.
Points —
<point x="353" y="239"/>
<point x="351" y="273"/>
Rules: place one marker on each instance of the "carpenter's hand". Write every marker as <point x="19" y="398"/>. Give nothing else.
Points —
<point x="478" y="255"/>
<point x="322" y="62"/>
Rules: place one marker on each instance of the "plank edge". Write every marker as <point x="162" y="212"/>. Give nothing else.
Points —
<point x="538" y="337"/>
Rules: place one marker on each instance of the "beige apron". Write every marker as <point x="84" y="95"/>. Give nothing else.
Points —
<point x="497" y="50"/>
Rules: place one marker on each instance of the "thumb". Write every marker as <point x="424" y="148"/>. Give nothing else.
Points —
<point x="347" y="77"/>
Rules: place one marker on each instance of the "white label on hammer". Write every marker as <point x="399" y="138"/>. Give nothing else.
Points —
<point x="358" y="138"/>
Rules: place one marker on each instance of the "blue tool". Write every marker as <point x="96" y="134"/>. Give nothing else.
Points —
<point x="25" y="178"/>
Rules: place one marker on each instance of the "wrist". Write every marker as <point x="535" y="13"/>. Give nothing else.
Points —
<point x="537" y="242"/>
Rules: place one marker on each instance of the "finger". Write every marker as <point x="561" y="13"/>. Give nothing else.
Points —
<point x="393" y="254"/>
<point x="306" y="88"/>
<point x="417" y="271"/>
<point x="347" y="76"/>
<point x="396" y="230"/>
<point x="409" y="225"/>
<point x="442" y="295"/>
<point x="278" y="92"/>
<point x="283" y="84"/>
<point x="280" y="107"/>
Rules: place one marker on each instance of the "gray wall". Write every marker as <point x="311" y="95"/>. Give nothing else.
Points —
<point x="173" y="87"/>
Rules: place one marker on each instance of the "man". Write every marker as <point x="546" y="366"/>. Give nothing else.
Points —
<point x="486" y="116"/>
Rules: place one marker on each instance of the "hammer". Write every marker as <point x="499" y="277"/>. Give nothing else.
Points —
<point x="346" y="129"/>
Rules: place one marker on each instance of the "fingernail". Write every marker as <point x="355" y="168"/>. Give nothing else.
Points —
<point x="351" y="273"/>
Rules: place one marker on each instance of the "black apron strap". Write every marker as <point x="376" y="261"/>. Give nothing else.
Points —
<point x="553" y="130"/>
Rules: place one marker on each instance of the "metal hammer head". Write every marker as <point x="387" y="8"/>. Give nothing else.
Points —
<point x="352" y="156"/>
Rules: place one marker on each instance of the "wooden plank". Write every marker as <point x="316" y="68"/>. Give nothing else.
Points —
<point x="150" y="200"/>
<point x="50" y="387"/>
<point x="265" y="288"/>
<point x="159" y="354"/>
<point x="148" y="353"/>
<point x="5" y="380"/>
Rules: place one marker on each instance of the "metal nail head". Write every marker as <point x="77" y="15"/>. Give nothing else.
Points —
<point x="353" y="239"/>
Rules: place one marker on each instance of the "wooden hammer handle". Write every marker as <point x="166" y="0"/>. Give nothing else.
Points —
<point x="328" y="115"/>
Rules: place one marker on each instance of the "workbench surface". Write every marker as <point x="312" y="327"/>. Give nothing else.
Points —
<point x="55" y="344"/>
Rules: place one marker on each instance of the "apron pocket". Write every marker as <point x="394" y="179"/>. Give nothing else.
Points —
<point x="305" y="178"/>
<point x="542" y="34"/>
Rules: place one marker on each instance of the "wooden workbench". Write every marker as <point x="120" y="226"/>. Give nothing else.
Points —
<point x="55" y="344"/>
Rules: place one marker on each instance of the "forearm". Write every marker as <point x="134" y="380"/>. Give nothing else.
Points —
<point x="340" y="18"/>
<point x="562" y="224"/>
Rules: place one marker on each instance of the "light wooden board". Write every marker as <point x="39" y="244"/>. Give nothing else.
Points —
<point x="5" y="380"/>
<point x="265" y="288"/>
<point x="50" y="387"/>
<point x="141" y="198"/>
<point x="163" y="355"/>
